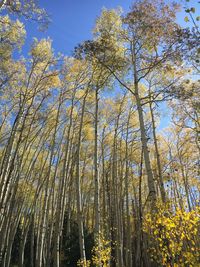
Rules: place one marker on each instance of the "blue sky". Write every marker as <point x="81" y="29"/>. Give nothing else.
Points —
<point x="72" y="21"/>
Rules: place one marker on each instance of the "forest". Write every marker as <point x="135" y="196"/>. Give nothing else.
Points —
<point x="88" y="177"/>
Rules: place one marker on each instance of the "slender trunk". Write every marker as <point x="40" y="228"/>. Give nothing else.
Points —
<point x="139" y="251"/>
<point x="150" y="178"/>
<point x="32" y="242"/>
<point x="43" y="225"/>
<point x="128" y="224"/>
<point x="96" y="174"/>
<point x="78" y="187"/>
<point x="116" y="198"/>
<point x="161" y="183"/>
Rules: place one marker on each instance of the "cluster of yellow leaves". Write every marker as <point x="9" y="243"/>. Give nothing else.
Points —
<point x="72" y="112"/>
<point x="12" y="32"/>
<point x="173" y="236"/>
<point x="12" y="35"/>
<point x="102" y="252"/>
<point x="88" y="132"/>
<point x="25" y="192"/>
<point x="42" y="50"/>
<point x="109" y="21"/>
<point x="51" y="80"/>
<point x="83" y="263"/>
<point x="76" y="73"/>
<point x="80" y="93"/>
<point x="108" y="33"/>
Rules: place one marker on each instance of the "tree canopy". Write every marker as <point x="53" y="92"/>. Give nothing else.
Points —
<point x="87" y="176"/>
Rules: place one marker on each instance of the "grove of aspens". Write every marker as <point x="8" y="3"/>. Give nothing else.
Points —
<point x="100" y="148"/>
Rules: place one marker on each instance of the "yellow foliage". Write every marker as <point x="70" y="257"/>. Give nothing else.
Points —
<point x="109" y="21"/>
<point x="88" y="132"/>
<point x="12" y="33"/>
<point x="74" y="112"/>
<point x="42" y="50"/>
<point x="83" y="263"/>
<point x="101" y="252"/>
<point x="80" y="93"/>
<point x="173" y="236"/>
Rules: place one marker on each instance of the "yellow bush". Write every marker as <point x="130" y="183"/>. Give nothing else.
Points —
<point x="101" y="252"/>
<point x="83" y="263"/>
<point x="173" y="236"/>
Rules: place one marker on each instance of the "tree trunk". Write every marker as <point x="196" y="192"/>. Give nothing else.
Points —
<point x="78" y="187"/>
<point x="96" y="174"/>
<point x="150" y="178"/>
<point x="161" y="183"/>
